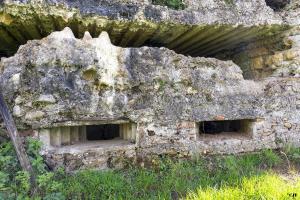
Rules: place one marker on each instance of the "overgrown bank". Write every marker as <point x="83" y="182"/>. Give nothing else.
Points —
<point x="264" y="175"/>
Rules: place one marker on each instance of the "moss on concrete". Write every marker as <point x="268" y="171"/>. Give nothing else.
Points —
<point x="174" y="4"/>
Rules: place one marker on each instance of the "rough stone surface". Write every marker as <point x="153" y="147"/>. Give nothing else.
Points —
<point x="61" y="80"/>
<point x="277" y="57"/>
<point x="197" y="11"/>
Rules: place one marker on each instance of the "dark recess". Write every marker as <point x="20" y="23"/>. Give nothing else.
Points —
<point x="215" y="127"/>
<point x="102" y="132"/>
<point x="277" y="4"/>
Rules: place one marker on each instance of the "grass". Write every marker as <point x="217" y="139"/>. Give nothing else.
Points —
<point x="266" y="186"/>
<point x="231" y="177"/>
<point x="263" y="175"/>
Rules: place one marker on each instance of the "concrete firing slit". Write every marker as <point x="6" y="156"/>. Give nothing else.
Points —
<point x="226" y="129"/>
<point x="101" y="134"/>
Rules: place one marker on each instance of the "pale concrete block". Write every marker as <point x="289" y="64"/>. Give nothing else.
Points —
<point x="65" y="135"/>
<point x="55" y="137"/>
<point x="125" y="133"/>
<point x="128" y="131"/>
<point x="82" y="133"/>
<point x="45" y="138"/>
<point x="74" y="134"/>
<point x="121" y="133"/>
<point x="133" y="131"/>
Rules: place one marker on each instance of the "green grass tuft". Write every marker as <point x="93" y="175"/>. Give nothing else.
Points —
<point x="267" y="186"/>
<point x="270" y="158"/>
<point x="292" y="153"/>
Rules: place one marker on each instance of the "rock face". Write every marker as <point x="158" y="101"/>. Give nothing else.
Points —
<point x="64" y="82"/>
<point x="93" y="79"/>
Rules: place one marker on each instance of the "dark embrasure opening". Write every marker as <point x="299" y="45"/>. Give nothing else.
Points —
<point x="228" y="126"/>
<point x="103" y="132"/>
<point x="277" y="4"/>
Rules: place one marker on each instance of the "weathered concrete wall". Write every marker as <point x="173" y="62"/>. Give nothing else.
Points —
<point x="64" y="81"/>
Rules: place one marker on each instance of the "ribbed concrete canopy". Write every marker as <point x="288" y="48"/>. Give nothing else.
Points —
<point x="190" y="32"/>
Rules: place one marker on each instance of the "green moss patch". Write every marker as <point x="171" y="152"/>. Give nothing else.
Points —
<point x="174" y="4"/>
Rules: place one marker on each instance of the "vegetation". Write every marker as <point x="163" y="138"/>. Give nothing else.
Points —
<point x="229" y="2"/>
<point x="174" y="4"/>
<point x="250" y="176"/>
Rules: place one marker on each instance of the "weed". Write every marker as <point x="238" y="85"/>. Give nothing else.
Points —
<point x="229" y="2"/>
<point x="292" y="153"/>
<point x="270" y="158"/>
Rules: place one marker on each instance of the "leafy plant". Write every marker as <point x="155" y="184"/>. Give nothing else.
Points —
<point x="15" y="183"/>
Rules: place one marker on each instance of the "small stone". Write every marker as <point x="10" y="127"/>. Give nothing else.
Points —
<point x="219" y="117"/>
<point x="288" y="125"/>
<point x="17" y="111"/>
<point x="46" y="98"/>
<point x="267" y="130"/>
<point x="18" y="100"/>
<point x="34" y="115"/>
<point x="291" y="54"/>
<point x="16" y="79"/>
<point x="191" y="90"/>
<point x="277" y="58"/>
<point x="187" y="124"/>
<point x="257" y="63"/>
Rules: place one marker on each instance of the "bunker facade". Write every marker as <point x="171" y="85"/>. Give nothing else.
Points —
<point x="104" y="83"/>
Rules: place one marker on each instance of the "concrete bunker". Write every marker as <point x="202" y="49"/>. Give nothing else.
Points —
<point x="226" y="129"/>
<point x="89" y="133"/>
<point x="97" y="143"/>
